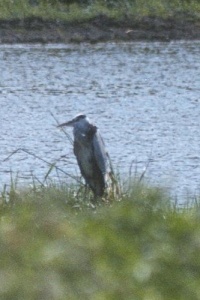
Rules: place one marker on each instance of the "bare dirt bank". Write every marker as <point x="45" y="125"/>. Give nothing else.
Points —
<point x="97" y="30"/>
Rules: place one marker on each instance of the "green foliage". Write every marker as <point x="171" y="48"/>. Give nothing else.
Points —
<point x="55" y="245"/>
<point x="84" y="10"/>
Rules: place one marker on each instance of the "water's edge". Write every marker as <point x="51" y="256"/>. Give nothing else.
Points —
<point x="101" y="28"/>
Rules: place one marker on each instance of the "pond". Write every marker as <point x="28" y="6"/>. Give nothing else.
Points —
<point x="144" y="97"/>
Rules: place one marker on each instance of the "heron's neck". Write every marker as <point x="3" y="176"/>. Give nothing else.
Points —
<point x="84" y="134"/>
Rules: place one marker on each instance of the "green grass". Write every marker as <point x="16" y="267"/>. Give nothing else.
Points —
<point x="118" y="10"/>
<point x="55" y="245"/>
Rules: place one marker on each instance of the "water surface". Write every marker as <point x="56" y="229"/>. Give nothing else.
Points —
<point x="144" y="97"/>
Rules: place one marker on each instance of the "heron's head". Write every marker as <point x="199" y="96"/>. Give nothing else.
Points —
<point x="78" y="121"/>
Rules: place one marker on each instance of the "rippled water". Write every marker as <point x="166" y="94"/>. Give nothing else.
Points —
<point x="145" y="98"/>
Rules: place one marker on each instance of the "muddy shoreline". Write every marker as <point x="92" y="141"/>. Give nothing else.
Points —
<point x="98" y="30"/>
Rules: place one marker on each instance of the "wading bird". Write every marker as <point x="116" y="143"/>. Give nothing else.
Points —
<point x="90" y="152"/>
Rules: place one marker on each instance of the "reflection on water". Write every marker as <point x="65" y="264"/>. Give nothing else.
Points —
<point x="143" y="96"/>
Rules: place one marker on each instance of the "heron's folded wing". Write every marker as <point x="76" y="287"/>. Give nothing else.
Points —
<point x="100" y="153"/>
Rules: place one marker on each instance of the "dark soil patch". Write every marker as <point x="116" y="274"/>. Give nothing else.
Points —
<point x="98" y="29"/>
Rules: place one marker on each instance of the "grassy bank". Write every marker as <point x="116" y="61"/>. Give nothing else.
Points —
<point x="66" y="21"/>
<point x="56" y="245"/>
<point x="73" y="11"/>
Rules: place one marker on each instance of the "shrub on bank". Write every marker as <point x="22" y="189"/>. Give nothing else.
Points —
<point x="55" y="244"/>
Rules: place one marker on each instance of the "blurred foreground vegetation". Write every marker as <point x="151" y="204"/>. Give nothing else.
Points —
<point x="54" y="244"/>
<point x="84" y="10"/>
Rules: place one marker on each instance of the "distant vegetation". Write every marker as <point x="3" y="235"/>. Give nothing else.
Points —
<point x="54" y="244"/>
<point x="81" y="10"/>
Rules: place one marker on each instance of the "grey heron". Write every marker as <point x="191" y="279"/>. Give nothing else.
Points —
<point x="90" y="152"/>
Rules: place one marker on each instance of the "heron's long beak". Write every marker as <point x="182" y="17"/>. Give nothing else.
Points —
<point x="69" y="123"/>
